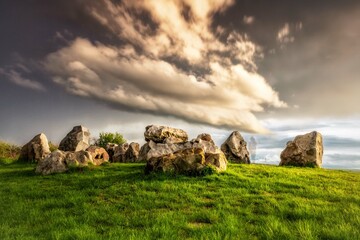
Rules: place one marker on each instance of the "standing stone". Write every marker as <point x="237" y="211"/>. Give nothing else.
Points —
<point x="76" y="140"/>
<point x="110" y="149"/>
<point x="35" y="150"/>
<point x="143" y="152"/>
<point x="162" y="134"/>
<point x="305" y="151"/>
<point x="132" y="153"/>
<point x="235" y="149"/>
<point x="119" y="153"/>
<point x="98" y="154"/>
<point x="127" y="153"/>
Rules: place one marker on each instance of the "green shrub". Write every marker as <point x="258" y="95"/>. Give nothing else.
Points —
<point x="107" y="137"/>
<point x="53" y="147"/>
<point x="8" y="150"/>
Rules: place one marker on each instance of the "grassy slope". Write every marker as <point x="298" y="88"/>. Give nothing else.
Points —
<point x="119" y="202"/>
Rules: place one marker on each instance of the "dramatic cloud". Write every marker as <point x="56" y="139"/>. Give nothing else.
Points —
<point x="15" y="77"/>
<point x="170" y="62"/>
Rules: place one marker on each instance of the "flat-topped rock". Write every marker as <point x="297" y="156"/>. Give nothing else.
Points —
<point x="36" y="149"/>
<point x="76" y="140"/>
<point x="305" y="151"/>
<point x="163" y="134"/>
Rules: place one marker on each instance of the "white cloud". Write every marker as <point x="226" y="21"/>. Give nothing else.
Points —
<point x="215" y="82"/>
<point x="16" y="78"/>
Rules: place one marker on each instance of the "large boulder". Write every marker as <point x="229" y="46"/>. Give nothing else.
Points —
<point x="35" y="150"/>
<point x="235" y="149"/>
<point x="162" y="134"/>
<point x="126" y="153"/>
<point x="53" y="163"/>
<point x="78" y="159"/>
<point x="213" y="155"/>
<point x="110" y="149"/>
<point x="119" y="152"/>
<point x="132" y="153"/>
<point x="76" y="140"/>
<point x="190" y="160"/>
<point x="183" y="157"/>
<point x="98" y="154"/>
<point x="305" y="151"/>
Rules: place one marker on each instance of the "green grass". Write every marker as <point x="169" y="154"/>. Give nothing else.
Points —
<point x="118" y="201"/>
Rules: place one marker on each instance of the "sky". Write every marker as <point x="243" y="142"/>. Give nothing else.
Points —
<point x="269" y="69"/>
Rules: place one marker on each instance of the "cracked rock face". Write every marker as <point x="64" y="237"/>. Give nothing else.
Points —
<point x="235" y="149"/>
<point x="126" y="152"/>
<point x="35" y="150"/>
<point x="171" y="153"/>
<point x="60" y="161"/>
<point x="163" y="134"/>
<point x="76" y="140"/>
<point x="304" y="151"/>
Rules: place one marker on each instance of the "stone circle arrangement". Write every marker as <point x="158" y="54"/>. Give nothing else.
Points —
<point x="166" y="150"/>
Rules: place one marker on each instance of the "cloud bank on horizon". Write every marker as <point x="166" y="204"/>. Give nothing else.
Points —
<point x="170" y="60"/>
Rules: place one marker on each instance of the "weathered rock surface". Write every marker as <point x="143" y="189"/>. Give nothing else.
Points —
<point x="182" y="157"/>
<point x="60" y="161"/>
<point x="132" y="153"/>
<point x="98" y="154"/>
<point x="235" y="149"/>
<point x="110" y="149"/>
<point x="119" y="152"/>
<point x="127" y="152"/>
<point x="163" y="134"/>
<point x="76" y="140"/>
<point x="78" y="159"/>
<point x="35" y="150"/>
<point x="304" y="150"/>
<point x="53" y="163"/>
<point x="183" y="161"/>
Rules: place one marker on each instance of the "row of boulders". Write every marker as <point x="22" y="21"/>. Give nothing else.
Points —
<point x="166" y="150"/>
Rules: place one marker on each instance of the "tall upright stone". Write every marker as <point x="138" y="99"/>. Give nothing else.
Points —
<point x="76" y="140"/>
<point x="35" y="150"/>
<point x="235" y="149"/>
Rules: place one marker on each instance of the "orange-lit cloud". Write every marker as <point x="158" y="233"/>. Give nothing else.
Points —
<point x="171" y="63"/>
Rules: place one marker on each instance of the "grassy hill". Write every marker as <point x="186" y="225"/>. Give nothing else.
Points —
<point x="118" y="201"/>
